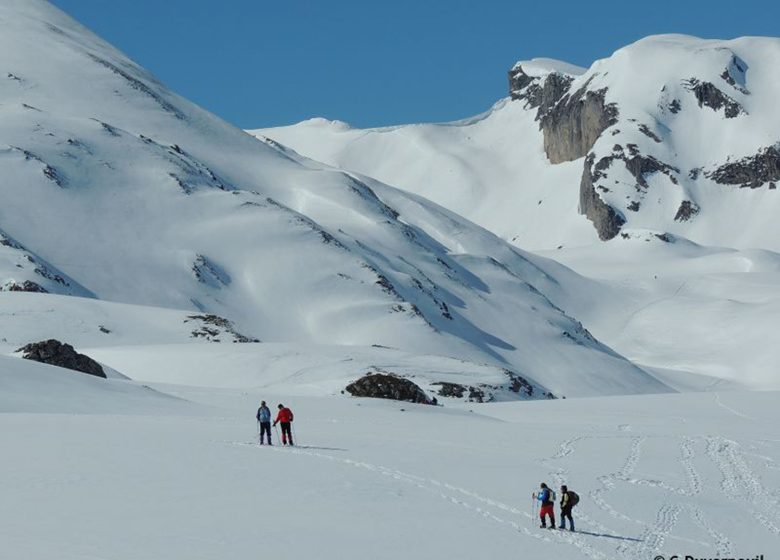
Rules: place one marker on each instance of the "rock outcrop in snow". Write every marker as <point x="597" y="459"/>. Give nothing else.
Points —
<point x="56" y="353"/>
<point x="387" y="386"/>
<point x="668" y="119"/>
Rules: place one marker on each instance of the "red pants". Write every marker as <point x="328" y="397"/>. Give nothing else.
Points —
<point x="547" y="510"/>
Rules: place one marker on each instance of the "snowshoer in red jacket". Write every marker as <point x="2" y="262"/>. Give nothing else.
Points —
<point x="285" y="418"/>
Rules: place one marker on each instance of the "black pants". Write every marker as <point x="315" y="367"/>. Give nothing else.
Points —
<point x="286" y="433"/>
<point x="566" y="514"/>
<point x="265" y="428"/>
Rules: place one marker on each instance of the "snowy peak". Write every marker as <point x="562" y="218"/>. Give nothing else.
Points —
<point x="671" y="118"/>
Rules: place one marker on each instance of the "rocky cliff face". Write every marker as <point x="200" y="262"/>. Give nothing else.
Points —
<point x="647" y="133"/>
<point x="573" y="125"/>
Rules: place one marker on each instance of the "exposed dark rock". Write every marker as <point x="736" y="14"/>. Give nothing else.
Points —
<point x="665" y="237"/>
<point x="367" y="193"/>
<point x="686" y="211"/>
<point x="55" y="353"/>
<point x="752" y="171"/>
<point x="606" y="219"/>
<point x="387" y="386"/>
<point x="574" y="124"/>
<point x="518" y="384"/>
<point x="451" y="390"/>
<point x="456" y="390"/>
<point x="108" y="128"/>
<point x="213" y="327"/>
<point x="640" y="166"/>
<point x="26" y="286"/>
<point x="539" y="93"/>
<point x="209" y="273"/>
<point x="305" y="221"/>
<point x="633" y="206"/>
<point x="138" y="85"/>
<point x="710" y="96"/>
<point x="637" y="164"/>
<point x="734" y="74"/>
<point x="675" y="106"/>
<point x="644" y="129"/>
<point x="48" y="171"/>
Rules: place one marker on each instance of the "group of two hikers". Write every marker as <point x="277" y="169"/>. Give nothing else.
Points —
<point x="284" y="417"/>
<point x="546" y="497"/>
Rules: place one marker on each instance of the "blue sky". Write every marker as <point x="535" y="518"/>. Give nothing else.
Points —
<point x="263" y="63"/>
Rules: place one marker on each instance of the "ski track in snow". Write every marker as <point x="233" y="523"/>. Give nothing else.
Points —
<point x="720" y="403"/>
<point x="654" y="536"/>
<point x="455" y="496"/>
<point x="738" y="482"/>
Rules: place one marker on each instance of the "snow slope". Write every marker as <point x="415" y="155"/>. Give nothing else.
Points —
<point x="490" y="169"/>
<point x="378" y="479"/>
<point x="116" y="188"/>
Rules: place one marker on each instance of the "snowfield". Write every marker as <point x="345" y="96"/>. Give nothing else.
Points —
<point x="117" y="471"/>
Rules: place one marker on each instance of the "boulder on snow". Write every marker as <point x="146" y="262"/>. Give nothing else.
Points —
<point x="387" y="386"/>
<point x="25" y="286"/>
<point x="55" y="353"/>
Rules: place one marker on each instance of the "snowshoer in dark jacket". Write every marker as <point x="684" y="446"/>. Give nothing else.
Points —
<point x="264" y="417"/>
<point x="285" y="418"/>
<point x="566" y="504"/>
<point x="547" y="499"/>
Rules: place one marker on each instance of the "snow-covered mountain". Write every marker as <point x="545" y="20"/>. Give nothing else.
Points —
<point x="116" y="188"/>
<point x="668" y="149"/>
<point x="672" y="134"/>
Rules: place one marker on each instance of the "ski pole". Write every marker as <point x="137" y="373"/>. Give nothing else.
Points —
<point x="533" y="509"/>
<point x="295" y="436"/>
<point x="276" y="428"/>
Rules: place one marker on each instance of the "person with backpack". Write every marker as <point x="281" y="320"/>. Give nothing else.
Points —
<point x="285" y="418"/>
<point x="264" y="418"/>
<point x="569" y="499"/>
<point x="547" y="499"/>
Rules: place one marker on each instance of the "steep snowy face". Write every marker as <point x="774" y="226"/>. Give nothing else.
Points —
<point x="116" y="188"/>
<point x="678" y="134"/>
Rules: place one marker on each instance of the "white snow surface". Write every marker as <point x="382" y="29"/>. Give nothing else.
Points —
<point x="175" y="471"/>
<point x="539" y="67"/>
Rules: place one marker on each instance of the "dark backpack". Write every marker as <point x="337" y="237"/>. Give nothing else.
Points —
<point x="574" y="498"/>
